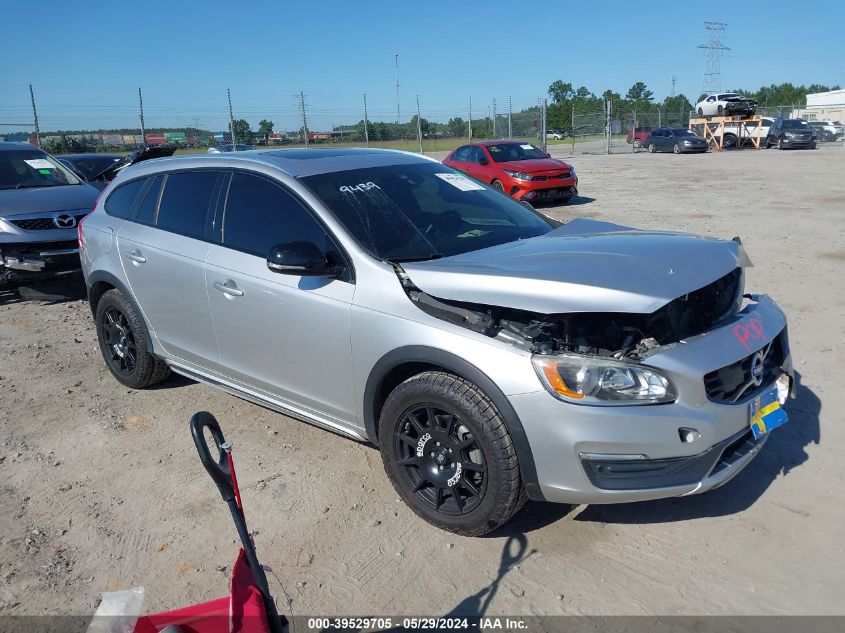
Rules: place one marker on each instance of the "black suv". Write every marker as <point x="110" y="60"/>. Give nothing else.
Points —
<point x="785" y="133"/>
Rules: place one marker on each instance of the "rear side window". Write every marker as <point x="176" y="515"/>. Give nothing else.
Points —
<point x="119" y="204"/>
<point x="185" y="201"/>
<point x="260" y="215"/>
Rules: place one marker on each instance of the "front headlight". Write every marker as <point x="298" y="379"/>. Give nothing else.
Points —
<point x="572" y="170"/>
<point x="518" y="175"/>
<point x="602" y="381"/>
<point x="788" y="134"/>
<point x="688" y="143"/>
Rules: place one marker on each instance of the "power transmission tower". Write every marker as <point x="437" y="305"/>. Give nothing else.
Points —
<point x="141" y="116"/>
<point x="35" y="118"/>
<point x="714" y="47"/>
<point x="231" y="121"/>
<point x="396" y="58"/>
<point x="304" y="119"/>
<point x="673" y="85"/>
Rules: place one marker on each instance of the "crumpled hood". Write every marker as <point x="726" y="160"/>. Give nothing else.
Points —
<point x="37" y="199"/>
<point x="582" y="266"/>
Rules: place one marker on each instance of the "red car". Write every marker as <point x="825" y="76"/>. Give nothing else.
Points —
<point x="517" y="169"/>
<point x="637" y="136"/>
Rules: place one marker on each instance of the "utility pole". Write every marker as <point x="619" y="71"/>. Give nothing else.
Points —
<point x="673" y="85"/>
<point x="545" y="145"/>
<point x="494" y="119"/>
<point x="469" y="127"/>
<point x="489" y="117"/>
<point x="35" y="118"/>
<point x="304" y="120"/>
<point x="510" y="114"/>
<point x="714" y="48"/>
<point x="141" y="115"/>
<point x="366" y="124"/>
<point x="231" y="122"/>
<point x="419" y="124"/>
<point x="396" y="59"/>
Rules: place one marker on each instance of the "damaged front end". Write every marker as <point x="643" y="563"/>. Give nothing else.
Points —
<point x="606" y="334"/>
<point x="593" y="357"/>
<point x="39" y="260"/>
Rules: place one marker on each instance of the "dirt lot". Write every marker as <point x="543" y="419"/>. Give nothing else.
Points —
<point x="100" y="487"/>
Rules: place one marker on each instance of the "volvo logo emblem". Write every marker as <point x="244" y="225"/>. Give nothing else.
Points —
<point x="757" y="366"/>
<point x="64" y="221"/>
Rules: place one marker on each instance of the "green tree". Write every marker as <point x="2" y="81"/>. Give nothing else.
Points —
<point x="456" y="127"/>
<point x="639" y="92"/>
<point x="560" y="91"/>
<point x="242" y="131"/>
<point x="265" y="128"/>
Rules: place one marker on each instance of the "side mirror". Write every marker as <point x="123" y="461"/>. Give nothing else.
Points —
<point x="483" y="161"/>
<point x="548" y="155"/>
<point x="301" y="258"/>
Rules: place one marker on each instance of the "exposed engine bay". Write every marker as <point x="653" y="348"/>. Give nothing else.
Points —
<point x="615" y="334"/>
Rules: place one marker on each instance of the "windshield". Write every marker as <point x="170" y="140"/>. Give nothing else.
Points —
<point x="33" y="168"/>
<point x="794" y="124"/>
<point x="91" y="166"/>
<point x="506" y="152"/>
<point x="422" y="211"/>
<point x="679" y="131"/>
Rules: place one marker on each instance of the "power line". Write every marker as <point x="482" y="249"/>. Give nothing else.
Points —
<point x="715" y="48"/>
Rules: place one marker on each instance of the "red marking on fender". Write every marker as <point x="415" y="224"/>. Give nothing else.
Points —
<point x="753" y="330"/>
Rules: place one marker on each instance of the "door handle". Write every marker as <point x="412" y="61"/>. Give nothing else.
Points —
<point x="228" y="287"/>
<point x="136" y="257"/>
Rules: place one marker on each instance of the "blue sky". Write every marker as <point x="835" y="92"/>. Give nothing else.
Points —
<point x="86" y="59"/>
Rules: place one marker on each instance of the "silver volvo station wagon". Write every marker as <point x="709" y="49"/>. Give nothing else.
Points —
<point x="491" y="353"/>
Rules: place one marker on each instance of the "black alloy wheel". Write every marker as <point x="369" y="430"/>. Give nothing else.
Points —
<point x="124" y="342"/>
<point x="120" y="342"/>
<point x="442" y="461"/>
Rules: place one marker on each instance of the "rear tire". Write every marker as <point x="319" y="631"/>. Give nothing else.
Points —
<point x="123" y="337"/>
<point x="700" y="112"/>
<point x="449" y="455"/>
<point x="638" y="143"/>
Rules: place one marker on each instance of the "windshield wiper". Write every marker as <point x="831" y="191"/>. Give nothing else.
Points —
<point x="416" y="258"/>
<point x="27" y="185"/>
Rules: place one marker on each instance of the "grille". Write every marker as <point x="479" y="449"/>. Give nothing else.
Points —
<point x="734" y="383"/>
<point x="41" y="224"/>
<point x="560" y="176"/>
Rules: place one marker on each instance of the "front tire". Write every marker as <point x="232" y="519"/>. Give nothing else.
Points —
<point x="700" y="112"/>
<point x="720" y="111"/>
<point x="448" y="454"/>
<point x="651" y="148"/>
<point x="122" y="335"/>
<point x="676" y="149"/>
<point x="498" y="186"/>
<point x="780" y="143"/>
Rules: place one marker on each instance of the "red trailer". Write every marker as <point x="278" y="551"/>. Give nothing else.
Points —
<point x="156" y="138"/>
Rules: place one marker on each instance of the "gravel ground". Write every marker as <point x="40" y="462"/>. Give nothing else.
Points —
<point x="101" y="489"/>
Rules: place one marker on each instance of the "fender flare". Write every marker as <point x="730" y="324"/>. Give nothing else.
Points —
<point x="107" y="277"/>
<point x="455" y="364"/>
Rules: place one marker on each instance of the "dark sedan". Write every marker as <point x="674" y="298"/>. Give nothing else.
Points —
<point x="675" y="139"/>
<point x="89" y="166"/>
<point x="786" y="133"/>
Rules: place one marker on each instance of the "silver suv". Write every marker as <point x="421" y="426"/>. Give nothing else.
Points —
<point x="491" y="353"/>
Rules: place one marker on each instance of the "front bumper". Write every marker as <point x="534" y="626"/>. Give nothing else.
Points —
<point x="38" y="260"/>
<point x="589" y="454"/>
<point x="798" y="142"/>
<point x="544" y="190"/>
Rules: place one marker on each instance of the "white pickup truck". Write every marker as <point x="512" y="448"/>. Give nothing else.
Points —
<point x="746" y="131"/>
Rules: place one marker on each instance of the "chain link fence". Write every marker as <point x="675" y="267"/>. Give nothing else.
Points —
<point x="586" y="126"/>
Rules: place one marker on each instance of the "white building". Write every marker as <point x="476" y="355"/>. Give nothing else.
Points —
<point x="823" y="106"/>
